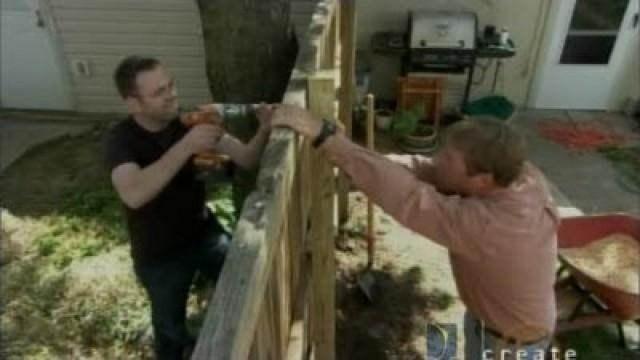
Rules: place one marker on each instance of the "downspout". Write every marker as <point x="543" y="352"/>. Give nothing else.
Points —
<point x="534" y="55"/>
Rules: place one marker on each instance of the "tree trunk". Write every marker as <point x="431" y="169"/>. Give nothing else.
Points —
<point x="250" y="52"/>
<point x="250" y="49"/>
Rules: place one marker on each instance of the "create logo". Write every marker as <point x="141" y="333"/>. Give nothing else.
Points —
<point x="442" y="341"/>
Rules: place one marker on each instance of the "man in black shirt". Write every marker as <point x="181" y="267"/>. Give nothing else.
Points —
<point x="173" y="235"/>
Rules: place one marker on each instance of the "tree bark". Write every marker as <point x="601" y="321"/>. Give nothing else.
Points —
<point x="250" y="49"/>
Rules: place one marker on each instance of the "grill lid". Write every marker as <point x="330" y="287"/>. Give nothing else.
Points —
<point x="442" y="30"/>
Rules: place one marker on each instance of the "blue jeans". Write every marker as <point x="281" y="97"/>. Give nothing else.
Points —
<point x="481" y="345"/>
<point x="167" y="285"/>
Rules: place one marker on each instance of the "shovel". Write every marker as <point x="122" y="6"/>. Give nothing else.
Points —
<point x="366" y="280"/>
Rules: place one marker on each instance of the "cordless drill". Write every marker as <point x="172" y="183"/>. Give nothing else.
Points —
<point x="217" y="116"/>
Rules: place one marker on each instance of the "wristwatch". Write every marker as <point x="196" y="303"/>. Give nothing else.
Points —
<point x="328" y="128"/>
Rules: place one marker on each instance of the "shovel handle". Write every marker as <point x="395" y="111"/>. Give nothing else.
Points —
<point x="371" y="240"/>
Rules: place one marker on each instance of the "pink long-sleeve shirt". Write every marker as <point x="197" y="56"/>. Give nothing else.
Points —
<point x="502" y="247"/>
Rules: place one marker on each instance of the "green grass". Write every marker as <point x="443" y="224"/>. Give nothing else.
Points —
<point x="87" y="223"/>
<point x="220" y="201"/>
<point x="70" y="292"/>
<point x="50" y="311"/>
<point x="626" y="162"/>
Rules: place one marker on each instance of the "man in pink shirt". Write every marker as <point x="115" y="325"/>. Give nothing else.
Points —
<point x="480" y="199"/>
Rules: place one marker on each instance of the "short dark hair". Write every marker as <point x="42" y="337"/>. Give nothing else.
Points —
<point x="127" y="72"/>
<point x="489" y="146"/>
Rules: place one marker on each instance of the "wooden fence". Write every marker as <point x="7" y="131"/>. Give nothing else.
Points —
<point x="275" y="297"/>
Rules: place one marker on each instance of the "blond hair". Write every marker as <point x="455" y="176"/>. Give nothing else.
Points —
<point x="488" y="146"/>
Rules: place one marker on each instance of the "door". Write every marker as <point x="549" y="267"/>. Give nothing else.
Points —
<point x="586" y="45"/>
<point x="31" y="70"/>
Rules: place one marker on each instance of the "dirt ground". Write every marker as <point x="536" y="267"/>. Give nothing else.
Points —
<point x="33" y="186"/>
<point x="36" y="182"/>
<point x="413" y="283"/>
<point x="33" y="189"/>
<point x="413" y="286"/>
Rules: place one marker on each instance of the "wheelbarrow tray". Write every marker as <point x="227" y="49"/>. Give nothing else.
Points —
<point x="575" y="232"/>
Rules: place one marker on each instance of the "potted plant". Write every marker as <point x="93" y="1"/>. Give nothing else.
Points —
<point x="383" y="119"/>
<point x="411" y="132"/>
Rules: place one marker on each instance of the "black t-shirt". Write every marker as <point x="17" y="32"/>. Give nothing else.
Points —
<point x="174" y="219"/>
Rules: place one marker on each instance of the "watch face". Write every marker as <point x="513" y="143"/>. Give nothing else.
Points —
<point x="328" y="129"/>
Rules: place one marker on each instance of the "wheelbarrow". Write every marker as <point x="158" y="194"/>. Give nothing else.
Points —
<point x="612" y="305"/>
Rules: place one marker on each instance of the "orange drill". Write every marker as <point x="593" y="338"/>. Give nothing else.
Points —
<point x="204" y="160"/>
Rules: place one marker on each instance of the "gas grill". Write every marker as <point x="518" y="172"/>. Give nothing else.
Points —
<point x="441" y="41"/>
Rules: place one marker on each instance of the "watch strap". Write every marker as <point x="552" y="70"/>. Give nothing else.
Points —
<point x="328" y="129"/>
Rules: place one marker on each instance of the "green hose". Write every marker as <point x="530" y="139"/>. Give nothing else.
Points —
<point x="626" y="162"/>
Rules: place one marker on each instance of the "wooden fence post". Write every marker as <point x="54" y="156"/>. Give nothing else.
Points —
<point x="347" y="13"/>
<point x="321" y="95"/>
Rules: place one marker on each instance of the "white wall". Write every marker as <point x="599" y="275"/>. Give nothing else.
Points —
<point x="103" y="32"/>
<point x="628" y="79"/>
<point x="32" y="72"/>
<point x="519" y="16"/>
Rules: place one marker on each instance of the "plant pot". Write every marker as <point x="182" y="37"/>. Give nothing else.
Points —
<point x="383" y="119"/>
<point x="424" y="141"/>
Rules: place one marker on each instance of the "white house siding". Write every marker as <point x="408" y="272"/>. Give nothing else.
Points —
<point x="103" y="32"/>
